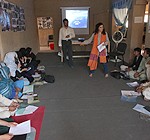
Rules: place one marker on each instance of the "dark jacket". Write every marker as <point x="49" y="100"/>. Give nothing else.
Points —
<point x="136" y="62"/>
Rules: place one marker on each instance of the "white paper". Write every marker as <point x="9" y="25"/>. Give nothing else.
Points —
<point x="25" y="97"/>
<point x="133" y="84"/>
<point x="28" y="110"/>
<point x="20" y="129"/>
<point x="138" y="19"/>
<point x="140" y="108"/>
<point x="28" y="89"/>
<point x="101" y="47"/>
<point x="130" y="93"/>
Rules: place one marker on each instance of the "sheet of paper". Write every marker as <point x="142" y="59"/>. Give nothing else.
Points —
<point x="140" y="108"/>
<point x="28" y="89"/>
<point x="19" y="111"/>
<point x="28" y="110"/>
<point x="101" y="47"/>
<point x="25" y="96"/>
<point x="133" y="84"/>
<point x="20" y="129"/>
<point x="129" y="98"/>
<point x="130" y="93"/>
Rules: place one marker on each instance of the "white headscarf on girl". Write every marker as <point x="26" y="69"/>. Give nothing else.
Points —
<point x="9" y="60"/>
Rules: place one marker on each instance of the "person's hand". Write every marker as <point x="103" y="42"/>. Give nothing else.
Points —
<point x="139" y="89"/>
<point x="20" y="78"/>
<point x="13" y="106"/>
<point x="24" y="69"/>
<point x="6" y="137"/>
<point x="148" y="62"/>
<point x="136" y="75"/>
<point x="11" y="124"/>
<point x="19" y="65"/>
<point x="60" y="48"/>
<point x="127" y="69"/>
<point x="82" y="44"/>
<point x="67" y="36"/>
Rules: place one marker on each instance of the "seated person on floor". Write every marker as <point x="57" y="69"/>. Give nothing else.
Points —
<point x="136" y="61"/>
<point x="8" y="88"/>
<point x="22" y="70"/>
<point x="31" y="58"/>
<point x="148" y="70"/>
<point x="4" y="125"/>
<point x="140" y="73"/>
<point x="7" y="107"/>
<point x="145" y="90"/>
<point x="11" y="61"/>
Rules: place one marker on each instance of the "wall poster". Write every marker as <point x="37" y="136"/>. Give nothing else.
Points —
<point x="45" y="22"/>
<point x="12" y="17"/>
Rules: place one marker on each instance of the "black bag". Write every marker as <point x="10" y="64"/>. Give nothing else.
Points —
<point x="49" y="78"/>
<point x="115" y="74"/>
<point x="119" y="75"/>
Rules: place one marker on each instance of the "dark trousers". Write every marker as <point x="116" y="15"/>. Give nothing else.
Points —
<point x="67" y="51"/>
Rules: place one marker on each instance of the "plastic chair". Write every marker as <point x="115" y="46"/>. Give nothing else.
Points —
<point x="119" y="51"/>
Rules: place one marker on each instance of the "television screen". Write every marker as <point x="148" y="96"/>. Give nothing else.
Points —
<point x="78" y="18"/>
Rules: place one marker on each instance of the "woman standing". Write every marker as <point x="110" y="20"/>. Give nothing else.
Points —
<point x="98" y="37"/>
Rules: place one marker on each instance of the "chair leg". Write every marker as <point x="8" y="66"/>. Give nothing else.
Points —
<point x="116" y="61"/>
<point x="123" y="59"/>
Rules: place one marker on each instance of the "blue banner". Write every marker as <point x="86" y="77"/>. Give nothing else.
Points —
<point x="119" y="4"/>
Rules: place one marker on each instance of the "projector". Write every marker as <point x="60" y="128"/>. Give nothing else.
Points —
<point x="81" y="39"/>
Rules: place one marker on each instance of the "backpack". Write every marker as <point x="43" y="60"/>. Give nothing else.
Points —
<point x="119" y="75"/>
<point x="48" y="78"/>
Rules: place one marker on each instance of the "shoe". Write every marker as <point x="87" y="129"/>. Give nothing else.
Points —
<point x="106" y="75"/>
<point x="91" y="75"/>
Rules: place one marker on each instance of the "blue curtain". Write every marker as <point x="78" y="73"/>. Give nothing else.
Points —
<point x="120" y="10"/>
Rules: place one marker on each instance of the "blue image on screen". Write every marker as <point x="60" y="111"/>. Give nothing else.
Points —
<point x="77" y="18"/>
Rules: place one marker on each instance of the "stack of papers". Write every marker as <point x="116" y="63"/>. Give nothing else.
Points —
<point x="133" y="84"/>
<point x="129" y="96"/>
<point x="20" y="129"/>
<point x="130" y="93"/>
<point x="25" y="96"/>
<point x="101" y="47"/>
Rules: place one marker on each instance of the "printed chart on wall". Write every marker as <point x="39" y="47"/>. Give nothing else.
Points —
<point x="45" y="22"/>
<point x="12" y="17"/>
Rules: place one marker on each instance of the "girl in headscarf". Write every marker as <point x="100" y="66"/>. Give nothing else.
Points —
<point x="98" y="37"/>
<point x="12" y="62"/>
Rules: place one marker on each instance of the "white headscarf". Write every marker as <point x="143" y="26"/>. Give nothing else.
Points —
<point x="9" y="60"/>
<point x="146" y="93"/>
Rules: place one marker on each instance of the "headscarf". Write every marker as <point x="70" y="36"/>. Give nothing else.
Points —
<point x="10" y="60"/>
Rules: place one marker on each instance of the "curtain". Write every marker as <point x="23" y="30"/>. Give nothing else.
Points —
<point x="120" y="10"/>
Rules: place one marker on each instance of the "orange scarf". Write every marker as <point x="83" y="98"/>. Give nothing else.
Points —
<point x="93" y="60"/>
